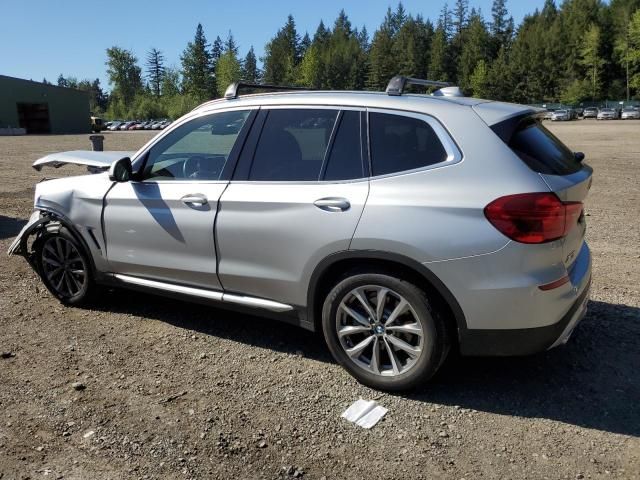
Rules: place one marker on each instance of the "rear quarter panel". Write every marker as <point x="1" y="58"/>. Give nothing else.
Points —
<point x="438" y="214"/>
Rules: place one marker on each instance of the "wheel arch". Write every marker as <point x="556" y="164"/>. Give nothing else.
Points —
<point x="333" y="267"/>
<point x="51" y="218"/>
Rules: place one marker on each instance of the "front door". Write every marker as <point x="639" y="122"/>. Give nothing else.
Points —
<point x="299" y="190"/>
<point x="161" y="226"/>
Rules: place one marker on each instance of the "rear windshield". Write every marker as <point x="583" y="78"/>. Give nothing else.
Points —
<point x="541" y="150"/>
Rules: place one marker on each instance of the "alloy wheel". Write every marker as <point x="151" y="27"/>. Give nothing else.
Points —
<point x="379" y="330"/>
<point x="63" y="267"/>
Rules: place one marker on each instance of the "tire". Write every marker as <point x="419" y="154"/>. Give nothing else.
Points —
<point x="64" y="267"/>
<point x="410" y="347"/>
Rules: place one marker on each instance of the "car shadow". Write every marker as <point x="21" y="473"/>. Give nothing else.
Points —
<point x="10" y="227"/>
<point x="592" y="382"/>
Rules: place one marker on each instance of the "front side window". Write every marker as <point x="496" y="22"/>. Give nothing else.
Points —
<point x="196" y="150"/>
<point x="292" y="145"/>
<point x="400" y="143"/>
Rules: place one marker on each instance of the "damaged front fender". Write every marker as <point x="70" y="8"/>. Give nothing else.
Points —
<point x="19" y="244"/>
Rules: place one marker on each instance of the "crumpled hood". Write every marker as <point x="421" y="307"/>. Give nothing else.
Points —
<point x="95" y="161"/>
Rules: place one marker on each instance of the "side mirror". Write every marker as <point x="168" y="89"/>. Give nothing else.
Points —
<point x="120" y="170"/>
<point x="579" y="156"/>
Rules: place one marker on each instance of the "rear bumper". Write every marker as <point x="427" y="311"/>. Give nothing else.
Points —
<point x="525" y="341"/>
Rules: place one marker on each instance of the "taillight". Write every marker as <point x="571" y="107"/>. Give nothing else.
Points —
<point x="533" y="217"/>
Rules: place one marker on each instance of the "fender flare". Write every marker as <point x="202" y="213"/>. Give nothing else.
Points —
<point x="407" y="262"/>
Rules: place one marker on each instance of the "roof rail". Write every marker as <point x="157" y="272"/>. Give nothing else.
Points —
<point x="397" y="84"/>
<point x="233" y="90"/>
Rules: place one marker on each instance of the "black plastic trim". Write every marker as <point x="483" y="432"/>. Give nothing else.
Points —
<point x="517" y="342"/>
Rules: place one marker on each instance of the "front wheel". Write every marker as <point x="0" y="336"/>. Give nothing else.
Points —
<point x="64" y="266"/>
<point x="383" y="331"/>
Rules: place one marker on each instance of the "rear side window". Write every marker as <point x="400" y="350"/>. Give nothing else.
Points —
<point x="541" y="150"/>
<point x="292" y="145"/>
<point x="345" y="159"/>
<point x="400" y="143"/>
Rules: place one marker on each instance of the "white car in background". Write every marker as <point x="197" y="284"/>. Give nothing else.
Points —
<point x="607" y="114"/>
<point x="560" y="115"/>
<point x="630" y="113"/>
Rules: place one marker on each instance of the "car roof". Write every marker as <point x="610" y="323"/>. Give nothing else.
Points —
<point x="491" y="111"/>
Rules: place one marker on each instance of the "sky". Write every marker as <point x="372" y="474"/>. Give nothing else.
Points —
<point x="44" y="38"/>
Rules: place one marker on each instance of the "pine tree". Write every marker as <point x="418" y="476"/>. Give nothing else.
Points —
<point x="382" y="63"/>
<point x="475" y="48"/>
<point x="230" y="44"/>
<point x="460" y="16"/>
<point x="282" y="55"/>
<point x="228" y="70"/>
<point x="155" y="70"/>
<point x="479" y="80"/>
<point x="170" y="83"/>
<point x="439" y="61"/>
<point x="501" y="24"/>
<point x="197" y="74"/>
<point x="250" y="71"/>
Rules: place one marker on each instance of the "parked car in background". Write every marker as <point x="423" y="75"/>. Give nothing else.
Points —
<point x="115" y="125"/>
<point x="579" y="111"/>
<point x="607" y="114"/>
<point x="630" y="113"/>
<point x="561" y="115"/>
<point x="549" y="114"/>
<point x="319" y="209"/>
<point x="590" y="112"/>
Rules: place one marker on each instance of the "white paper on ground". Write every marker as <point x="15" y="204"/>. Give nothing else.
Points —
<point x="364" y="413"/>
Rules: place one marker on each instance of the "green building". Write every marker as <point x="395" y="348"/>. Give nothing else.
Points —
<point x="42" y="108"/>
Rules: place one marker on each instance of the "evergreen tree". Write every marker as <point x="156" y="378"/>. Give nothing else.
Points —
<point x="382" y="63"/>
<point x="476" y="48"/>
<point x="228" y="70"/>
<point x="282" y="55"/>
<point x="439" y="63"/>
<point x="479" y="80"/>
<point x="170" y="82"/>
<point x="502" y="27"/>
<point x="217" y="49"/>
<point x="155" y="70"/>
<point x="250" y="71"/>
<point x="230" y="45"/>
<point x="197" y="71"/>
<point x="460" y="16"/>
<point x="305" y="43"/>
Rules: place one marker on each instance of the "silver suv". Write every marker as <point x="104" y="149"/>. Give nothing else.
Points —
<point x="401" y="226"/>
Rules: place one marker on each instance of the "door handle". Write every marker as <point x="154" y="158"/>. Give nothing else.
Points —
<point x="196" y="199"/>
<point x="332" y="204"/>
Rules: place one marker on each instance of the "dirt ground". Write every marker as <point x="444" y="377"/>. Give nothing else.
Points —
<point x="180" y="391"/>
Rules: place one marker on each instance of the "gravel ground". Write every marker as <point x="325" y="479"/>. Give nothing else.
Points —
<point x="138" y="386"/>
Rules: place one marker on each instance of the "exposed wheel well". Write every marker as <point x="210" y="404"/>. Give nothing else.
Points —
<point x="328" y="277"/>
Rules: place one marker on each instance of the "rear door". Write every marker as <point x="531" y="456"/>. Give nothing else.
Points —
<point x="296" y="197"/>
<point x="161" y="225"/>
<point x="567" y="177"/>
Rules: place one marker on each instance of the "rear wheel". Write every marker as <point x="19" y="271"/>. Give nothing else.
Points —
<point x="64" y="266"/>
<point x="383" y="331"/>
